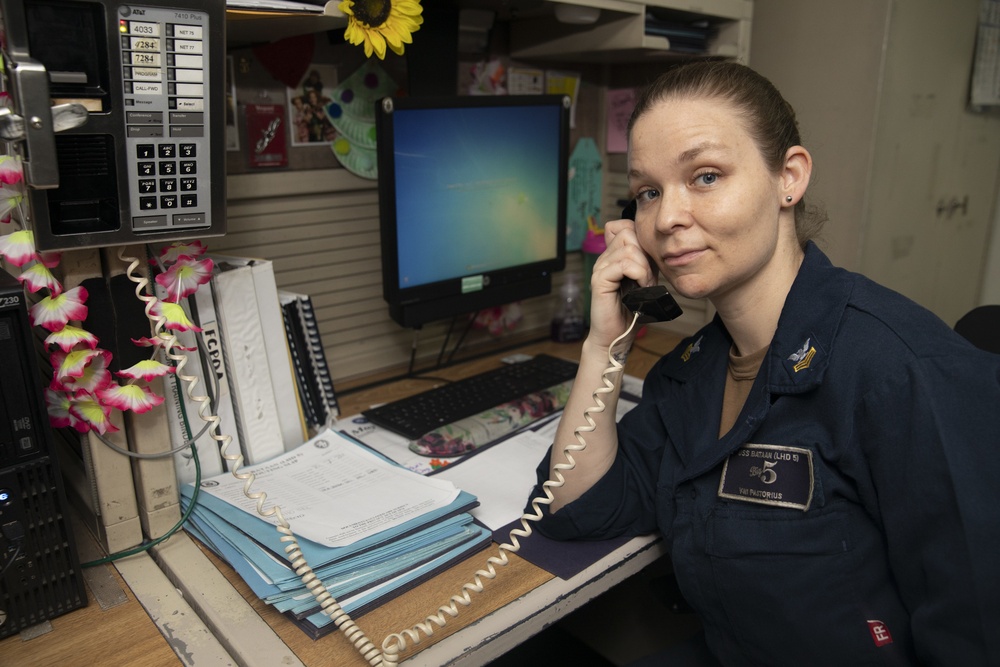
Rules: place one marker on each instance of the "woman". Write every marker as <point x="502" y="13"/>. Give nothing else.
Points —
<point x="822" y="458"/>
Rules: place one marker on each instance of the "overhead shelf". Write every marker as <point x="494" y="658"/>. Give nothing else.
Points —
<point x="621" y="33"/>
<point x="250" y="22"/>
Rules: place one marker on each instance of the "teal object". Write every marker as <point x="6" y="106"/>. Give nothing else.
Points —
<point x="583" y="201"/>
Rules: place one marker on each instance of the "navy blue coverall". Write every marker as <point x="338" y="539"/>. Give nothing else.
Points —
<point x="851" y="516"/>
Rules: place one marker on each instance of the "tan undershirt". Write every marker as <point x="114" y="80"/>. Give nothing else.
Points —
<point x="739" y="379"/>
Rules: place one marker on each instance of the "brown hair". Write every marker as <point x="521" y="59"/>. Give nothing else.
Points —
<point x="769" y="119"/>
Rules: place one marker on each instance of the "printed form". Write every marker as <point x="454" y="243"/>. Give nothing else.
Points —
<point x="334" y="491"/>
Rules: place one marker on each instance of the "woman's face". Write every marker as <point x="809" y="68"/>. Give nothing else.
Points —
<point x="709" y="211"/>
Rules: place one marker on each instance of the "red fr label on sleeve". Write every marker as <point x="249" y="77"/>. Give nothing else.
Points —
<point x="880" y="633"/>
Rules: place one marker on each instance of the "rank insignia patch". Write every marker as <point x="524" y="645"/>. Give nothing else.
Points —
<point x="803" y="357"/>
<point x="769" y="475"/>
<point x="692" y="348"/>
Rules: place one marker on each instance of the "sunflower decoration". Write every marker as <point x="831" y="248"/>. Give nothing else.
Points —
<point x="377" y="23"/>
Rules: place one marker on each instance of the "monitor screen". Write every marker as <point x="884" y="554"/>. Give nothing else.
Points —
<point x="472" y="201"/>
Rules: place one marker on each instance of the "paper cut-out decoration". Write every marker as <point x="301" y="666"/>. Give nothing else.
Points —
<point x="583" y="204"/>
<point x="352" y="113"/>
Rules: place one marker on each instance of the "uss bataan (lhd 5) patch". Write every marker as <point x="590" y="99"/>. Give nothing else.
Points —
<point x="770" y="475"/>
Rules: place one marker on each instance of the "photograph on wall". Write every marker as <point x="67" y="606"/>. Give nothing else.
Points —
<point x="620" y="104"/>
<point x="308" y="122"/>
<point x="266" y="135"/>
<point x="232" y="134"/>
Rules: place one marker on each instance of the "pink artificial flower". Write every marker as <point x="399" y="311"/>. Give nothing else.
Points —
<point x="10" y="169"/>
<point x="91" y="415"/>
<point x="146" y="341"/>
<point x="38" y="277"/>
<point x="161" y="341"/>
<point x="49" y="259"/>
<point x="138" y="398"/>
<point x="173" y="315"/>
<point x="54" y="311"/>
<point x="18" y="247"/>
<point x="172" y="253"/>
<point x="9" y="200"/>
<point x="58" y="405"/>
<point x="184" y="277"/>
<point x="69" y="337"/>
<point x="146" y="369"/>
<point x="82" y="370"/>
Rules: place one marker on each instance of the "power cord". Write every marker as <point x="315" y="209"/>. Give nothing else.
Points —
<point x="169" y="341"/>
<point x="13" y="532"/>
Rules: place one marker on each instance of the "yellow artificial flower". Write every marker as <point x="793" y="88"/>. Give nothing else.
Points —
<point x="376" y="23"/>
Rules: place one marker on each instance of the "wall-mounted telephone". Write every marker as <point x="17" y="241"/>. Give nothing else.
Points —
<point x="651" y="304"/>
<point x="119" y="118"/>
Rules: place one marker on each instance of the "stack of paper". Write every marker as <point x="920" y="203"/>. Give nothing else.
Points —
<point x="368" y="527"/>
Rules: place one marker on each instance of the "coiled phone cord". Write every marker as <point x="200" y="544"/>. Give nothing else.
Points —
<point x="293" y="551"/>
<point x="395" y="643"/>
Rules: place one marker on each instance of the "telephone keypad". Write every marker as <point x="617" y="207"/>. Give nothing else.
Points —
<point x="165" y="85"/>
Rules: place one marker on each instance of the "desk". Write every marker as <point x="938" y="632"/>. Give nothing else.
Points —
<point x="519" y="603"/>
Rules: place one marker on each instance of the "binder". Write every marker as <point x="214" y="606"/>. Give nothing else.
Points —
<point x="98" y="478"/>
<point x="312" y="371"/>
<point x="147" y="433"/>
<point x="182" y="411"/>
<point x="303" y="381"/>
<point x="317" y="359"/>
<point x="217" y="384"/>
<point x="246" y="361"/>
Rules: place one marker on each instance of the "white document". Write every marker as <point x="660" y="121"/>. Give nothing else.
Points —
<point x="389" y="444"/>
<point x="503" y="476"/>
<point x="335" y="492"/>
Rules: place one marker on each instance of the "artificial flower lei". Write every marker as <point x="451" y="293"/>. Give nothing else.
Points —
<point x="82" y="392"/>
<point x="378" y="23"/>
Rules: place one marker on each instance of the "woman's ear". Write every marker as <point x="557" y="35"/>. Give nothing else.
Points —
<point x="795" y="175"/>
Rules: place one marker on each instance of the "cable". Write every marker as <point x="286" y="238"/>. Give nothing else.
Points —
<point x="216" y="389"/>
<point x="169" y="340"/>
<point x="13" y="557"/>
<point x="393" y="644"/>
<point x="465" y="332"/>
<point x="396" y="643"/>
<point x="146" y="546"/>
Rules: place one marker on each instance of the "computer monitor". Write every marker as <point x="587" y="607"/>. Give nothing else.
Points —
<point x="472" y="201"/>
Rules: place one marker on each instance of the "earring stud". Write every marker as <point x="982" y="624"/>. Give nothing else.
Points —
<point x="788" y="199"/>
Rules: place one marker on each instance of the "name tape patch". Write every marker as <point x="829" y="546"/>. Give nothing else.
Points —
<point x="770" y="475"/>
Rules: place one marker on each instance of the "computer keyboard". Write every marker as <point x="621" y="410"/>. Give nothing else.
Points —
<point x="417" y="415"/>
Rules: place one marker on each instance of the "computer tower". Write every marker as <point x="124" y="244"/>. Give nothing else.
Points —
<point x="40" y="574"/>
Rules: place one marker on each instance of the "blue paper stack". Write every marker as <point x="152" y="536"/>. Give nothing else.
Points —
<point x="374" y="529"/>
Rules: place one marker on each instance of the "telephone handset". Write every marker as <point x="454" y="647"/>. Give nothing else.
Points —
<point x="654" y="303"/>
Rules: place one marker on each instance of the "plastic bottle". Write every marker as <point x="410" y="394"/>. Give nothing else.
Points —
<point x="567" y="324"/>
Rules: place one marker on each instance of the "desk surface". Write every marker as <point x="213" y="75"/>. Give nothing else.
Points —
<point x="521" y="601"/>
